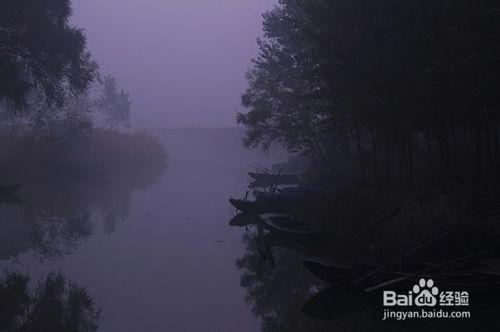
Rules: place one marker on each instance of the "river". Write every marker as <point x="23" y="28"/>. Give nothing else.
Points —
<point x="154" y="251"/>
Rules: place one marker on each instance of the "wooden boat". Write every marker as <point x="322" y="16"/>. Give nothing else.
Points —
<point x="9" y="189"/>
<point x="290" y="194"/>
<point x="259" y="206"/>
<point x="288" y="226"/>
<point x="275" y="178"/>
<point x="334" y="274"/>
<point x="303" y="247"/>
<point x="244" y="219"/>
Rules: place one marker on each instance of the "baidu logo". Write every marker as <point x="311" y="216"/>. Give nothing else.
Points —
<point x="425" y="294"/>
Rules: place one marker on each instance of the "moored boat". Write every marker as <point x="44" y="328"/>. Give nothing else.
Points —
<point x="274" y="179"/>
<point x="244" y="219"/>
<point x="258" y="206"/>
<point x="288" y="226"/>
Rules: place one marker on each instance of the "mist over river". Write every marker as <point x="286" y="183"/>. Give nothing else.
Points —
<point x="153" y="249"/>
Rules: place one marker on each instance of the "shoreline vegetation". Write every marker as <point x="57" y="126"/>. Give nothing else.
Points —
<point x="105" y="151"/>
<point x="394" y="105"/>
<point x="406" y="142"/>
<point x="60" y="120"/>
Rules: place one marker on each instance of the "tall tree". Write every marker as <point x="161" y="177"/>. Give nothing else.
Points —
<point x="379" y="76"/>
<point x="41" y="53"/>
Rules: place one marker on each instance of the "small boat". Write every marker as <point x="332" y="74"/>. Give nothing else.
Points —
<point x="290" y="194"/>
<point x="267" y="178"/>
<point x="9" y="189"/>
<point x="288" y="226"/>
<point x="244" y="219"/>
<point x="243" y="205"/>
<point x="335" y="274"/>
<point x="257" y="206"/>
<point x="302" y="247"/>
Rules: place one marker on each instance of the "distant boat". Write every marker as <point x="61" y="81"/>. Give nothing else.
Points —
<point x="9" y="189"/>
<point x="289" y="227"/>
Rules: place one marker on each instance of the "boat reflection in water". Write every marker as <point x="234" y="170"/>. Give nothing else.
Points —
<point x="293" y="283"/>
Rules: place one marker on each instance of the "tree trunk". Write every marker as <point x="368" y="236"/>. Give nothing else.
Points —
<point x="388" y="161"/>
<point x="360" y="156"/>
<point x="375" y="158"/>
<point x="478" y="154"/>
<point x="410" y="160"/>
<point x="429" y="156"/>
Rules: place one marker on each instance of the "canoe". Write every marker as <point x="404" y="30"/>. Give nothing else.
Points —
<point x="290" y="195"/>
<point x="275" y="178"/>
<point x="279" y="196"/>
<point x="288" y="226"/>
<point x="260" y="205"/>
<point x="9" y="189"/>
<point x="244" y="219"/>
<point x="243" y="205"/>
<point x="302" y="247"/>
<point x="334" y="274"/>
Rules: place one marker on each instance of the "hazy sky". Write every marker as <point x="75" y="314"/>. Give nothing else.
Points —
<point x="183" y="61"/>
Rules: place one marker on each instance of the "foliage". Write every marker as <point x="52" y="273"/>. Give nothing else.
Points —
<point x="115" y="105"/>
<point x="41" y="55"/>
<point x="121" y="150"/>
<point x="105" y="150"/>
<point x="396" y="83"/>
<point x="55" y="305"/>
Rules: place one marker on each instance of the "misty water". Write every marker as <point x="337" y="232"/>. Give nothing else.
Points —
<point x="152" y="247"/>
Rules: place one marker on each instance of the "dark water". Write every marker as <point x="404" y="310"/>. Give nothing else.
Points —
<point x="153" y="248"/>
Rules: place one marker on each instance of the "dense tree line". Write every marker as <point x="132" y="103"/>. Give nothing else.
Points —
<point x="405" y="89"/>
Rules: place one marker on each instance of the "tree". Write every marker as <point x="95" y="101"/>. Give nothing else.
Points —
<point x="114" y="104"/>
<point x="379" y="76"/>
<point x="41" y="54"/>
<point x="55" y="304"/>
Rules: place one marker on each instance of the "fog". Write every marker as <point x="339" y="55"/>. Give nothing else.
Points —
<point x="154" y="178"/>
<point x="183" y="62"/>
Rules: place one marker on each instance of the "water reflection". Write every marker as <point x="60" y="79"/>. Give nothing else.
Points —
<point x="53" y="304"/>
<point x="276" y="284"/>
<point x="286" y="297"/>
<point x="52" y="218"/>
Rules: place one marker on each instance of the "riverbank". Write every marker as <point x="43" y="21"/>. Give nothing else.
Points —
<point x="96" y="153"/>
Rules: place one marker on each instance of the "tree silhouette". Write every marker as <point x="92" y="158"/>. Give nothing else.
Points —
<point x="407" y="88"/>
<point x="42" y="56"/>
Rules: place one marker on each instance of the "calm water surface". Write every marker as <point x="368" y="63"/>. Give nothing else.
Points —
<point x="153" y="249"/>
